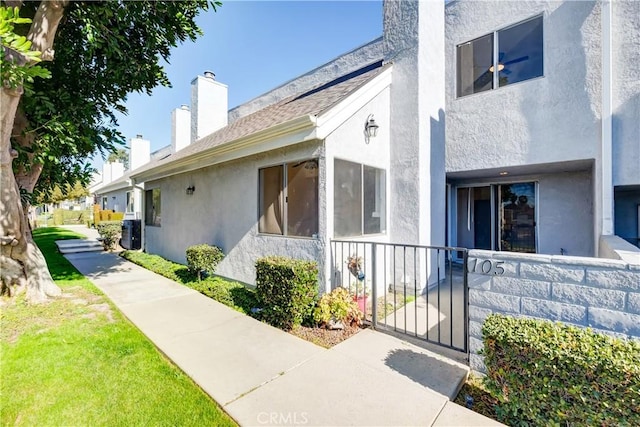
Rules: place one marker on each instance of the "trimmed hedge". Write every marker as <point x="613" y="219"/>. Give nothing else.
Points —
<point x="231" y="294"/>
<point x="287" y="290"/>
<point x="68" y="217"/>
<point x="171" y="270"/>
<point x="545" y="373"/>
<point x="203" y="258"/>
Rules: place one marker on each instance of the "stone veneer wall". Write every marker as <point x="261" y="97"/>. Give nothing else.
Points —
<point x="599" y="293"/>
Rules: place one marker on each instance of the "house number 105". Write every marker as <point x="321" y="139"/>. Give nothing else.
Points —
<point x="487" y="266"/>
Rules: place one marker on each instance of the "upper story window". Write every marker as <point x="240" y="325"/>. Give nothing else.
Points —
<point x="288" y="199"/>
<point x="516" y="52"/>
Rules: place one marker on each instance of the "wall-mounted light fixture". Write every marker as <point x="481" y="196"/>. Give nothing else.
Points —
<point x="370" y="128"/>
<point x="190" y="190"/>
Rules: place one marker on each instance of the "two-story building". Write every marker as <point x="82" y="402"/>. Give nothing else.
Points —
<point x="510" y="126"/>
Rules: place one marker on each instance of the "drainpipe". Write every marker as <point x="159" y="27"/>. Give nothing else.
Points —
<point x="606" y="225"/>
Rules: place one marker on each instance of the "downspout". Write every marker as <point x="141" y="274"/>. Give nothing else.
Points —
<point x="606" y="225"/>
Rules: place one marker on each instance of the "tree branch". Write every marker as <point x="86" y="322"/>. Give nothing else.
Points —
<point x="44" y="26"/>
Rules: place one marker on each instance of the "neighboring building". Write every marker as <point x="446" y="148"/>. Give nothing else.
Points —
<point x="540" y="152"/>
<point x="118" y="193"/>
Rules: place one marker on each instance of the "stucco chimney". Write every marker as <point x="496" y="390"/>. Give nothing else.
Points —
<point x="139" y="152"/>
<point x="111" y="172"/>
<point x="209" y="105"/>
<point x="180" y="128"/>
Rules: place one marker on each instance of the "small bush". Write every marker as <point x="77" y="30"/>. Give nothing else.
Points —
<point x="110" y="232"/>
<point x="337" y="305"/>
<point x="286" y="289"/>
<point x="545" y="373"/>
<point x="203" y="259"/>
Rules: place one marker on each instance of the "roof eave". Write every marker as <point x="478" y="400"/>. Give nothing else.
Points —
<point x="297" y="130"/>
<point x="334" y="116"/>
<point x="108" y="188"/>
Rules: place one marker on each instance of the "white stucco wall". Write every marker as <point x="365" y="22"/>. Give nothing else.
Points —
<point x="626" y="92"/>
<point x="414" y="42"/>
<point x="349" y="143"/>
<point x="548" y="119"/>
<point x="116" y="200"/>
<point x="224" y="211"/>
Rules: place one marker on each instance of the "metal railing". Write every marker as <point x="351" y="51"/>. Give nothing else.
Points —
<point x="416" y="290"/>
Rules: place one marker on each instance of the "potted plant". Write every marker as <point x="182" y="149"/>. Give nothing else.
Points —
<point x="354" y="264"/>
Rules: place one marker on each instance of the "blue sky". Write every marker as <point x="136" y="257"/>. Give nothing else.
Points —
<point x="253" y="46"/>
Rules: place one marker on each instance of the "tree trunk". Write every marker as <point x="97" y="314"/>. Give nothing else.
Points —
<point x="22" y="265"/>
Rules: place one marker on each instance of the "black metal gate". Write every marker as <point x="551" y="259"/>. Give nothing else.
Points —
<point x="420" y="291"/>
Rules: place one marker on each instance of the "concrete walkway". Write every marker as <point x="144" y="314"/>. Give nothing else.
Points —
<point x="261" y="375"/>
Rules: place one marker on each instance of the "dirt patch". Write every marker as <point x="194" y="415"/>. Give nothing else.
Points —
<point x="474" y="396"/>
<point x="324" y="337"/>
<point x="103" y="308"/>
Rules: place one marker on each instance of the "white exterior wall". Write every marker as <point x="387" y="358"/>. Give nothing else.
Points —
<point x="414" y="42"/>
<point x="553" y="118"/>
<point x="626" y="92"/>
<point x="116" y="200"/>
<point x="223" y="211"/>
<point x="348" y="143"/>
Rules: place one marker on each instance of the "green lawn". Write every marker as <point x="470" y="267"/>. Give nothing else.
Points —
<point x="77" y="361"/>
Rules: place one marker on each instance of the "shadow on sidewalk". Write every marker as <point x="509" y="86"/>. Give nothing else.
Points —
<point x="426" y="370"/>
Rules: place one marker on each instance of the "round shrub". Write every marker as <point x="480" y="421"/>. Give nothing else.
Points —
<point x="110" y="232"/>
<point x="203" y="258"/>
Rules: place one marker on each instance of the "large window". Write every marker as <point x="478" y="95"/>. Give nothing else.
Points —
<point x="359" y="198"/>
<point x="515" y="52"/>
<point x="288" y="199"/>
<point x="153" y="206"/>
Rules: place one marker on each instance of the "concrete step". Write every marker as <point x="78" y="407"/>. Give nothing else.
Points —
<point x="79" y="249"/>
<point x="78" y="245"/>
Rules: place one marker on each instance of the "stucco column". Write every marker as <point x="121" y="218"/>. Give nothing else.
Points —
<point x="414" y="42"/>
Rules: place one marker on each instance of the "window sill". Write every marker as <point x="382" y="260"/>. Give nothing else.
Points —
<point x="280" y="236"/>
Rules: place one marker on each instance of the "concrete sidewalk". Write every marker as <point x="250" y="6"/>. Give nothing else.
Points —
<point x="261" y="375"/>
